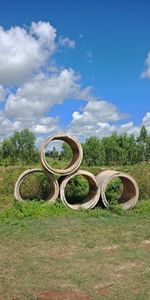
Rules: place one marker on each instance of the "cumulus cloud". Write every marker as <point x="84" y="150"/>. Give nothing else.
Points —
<point x="23" y="51"/>
<point x="146" y="121"/>
<point x="66" y="42"/>
<point x="46" y="125"/>
<point x="98" y="117"/>
<point x="146" y="73"/>
<point x="7" y="127"/>
<point x="31" y="83"/>
<point x="98" y="111"/>
<point x="41" y="126"/>
<point x="29" y="106"/>
<point x="37" y="96"/>
<point x="1" y="93"/>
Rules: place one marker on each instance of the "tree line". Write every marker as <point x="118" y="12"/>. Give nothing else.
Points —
<point x="117" y="149"/>
<point x="19" y="149"/>
<point x="113" y="150"/>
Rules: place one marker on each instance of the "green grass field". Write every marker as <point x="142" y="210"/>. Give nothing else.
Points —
<point x="51" y="252"/>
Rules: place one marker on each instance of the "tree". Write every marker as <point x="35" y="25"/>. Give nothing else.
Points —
<point x="66" y="153"/>
<point x="143" y="135"/>
<point x="8" y="152"/>
<point x="54" y="153"/>
<point x="142" y="139"/>
<point x="93" y="152"/>
<point x="24" y="145"/>
<point x="132" y="151"/>
<point x="147" y="155"/>
<point x="20" y="147"/>
<point x="112" y="149"/>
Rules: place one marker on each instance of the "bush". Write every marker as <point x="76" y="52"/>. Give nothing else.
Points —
<point x="113" y="191"/>
<point x="35" y="186"/>
<point x="77" y="189"/>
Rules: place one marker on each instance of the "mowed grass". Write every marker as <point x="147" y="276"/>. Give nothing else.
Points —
<point x="98" y="254"/>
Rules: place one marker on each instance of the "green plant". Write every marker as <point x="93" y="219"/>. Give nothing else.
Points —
<point x="113" y="191"/>
<point x="35" y="186"/>
<point x="77" y="189"/>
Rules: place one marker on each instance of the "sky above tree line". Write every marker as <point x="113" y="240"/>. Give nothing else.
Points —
<point x="76" y="66"/>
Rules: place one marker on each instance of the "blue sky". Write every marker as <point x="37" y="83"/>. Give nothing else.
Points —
<point x="88" y="63"/>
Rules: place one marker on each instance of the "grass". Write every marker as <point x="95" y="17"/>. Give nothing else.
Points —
<point x="51" y="252"/>
<point x="57" y="164"/>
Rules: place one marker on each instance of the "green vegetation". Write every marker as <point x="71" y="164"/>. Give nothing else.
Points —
<point x="37" y="209"/>
<point x="77" y="188"/>
<point x="113" y="191"/>
<point x="51" y="251"/>
<point x="19" y="149"/>
<point x="34" y="189"/>
<point x="35" y="186"/>
<point x="115" y="150"/>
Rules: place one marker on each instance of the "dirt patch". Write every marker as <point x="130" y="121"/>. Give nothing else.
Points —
<point x="103" y="289"/>
<point x="145" y="243"/>
<point x="63" y="295"/>
<point x="127" y="266"/>
<point x="124" y="269"/>
<point x="111" y="249"/>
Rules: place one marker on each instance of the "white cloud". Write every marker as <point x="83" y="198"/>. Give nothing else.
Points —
<point x="28" y="106"/>
<point x="128" y="128"/>
<point x="1" y="93"/>
<point x="41" y="126"/>
<point x="23" y="51"/>
<point x="45" y="33"/>
<point x="146" y="119"/>
<point x="46" y="125"/>
<point x="98" y="111"/>
<point x="7" y="127"/>
<point x="41" y="84"/>
<point x="96" y="119"/>
<point x="146" y="73"/>
<point x="35" y="97"/>
<point x="66" y="42"/>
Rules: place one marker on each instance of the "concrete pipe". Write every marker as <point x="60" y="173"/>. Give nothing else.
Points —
<point x="77" y="154"/>
<point x="90" y="200"/>
<point x="54" y="187"/>
<point x="129" y="193"/>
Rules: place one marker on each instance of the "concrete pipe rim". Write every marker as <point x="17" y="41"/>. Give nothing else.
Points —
<point x="54" y="192"/>
<point x="77" y="154"/>
<point x="127" y="204"/>
<point x="93" y="196"/>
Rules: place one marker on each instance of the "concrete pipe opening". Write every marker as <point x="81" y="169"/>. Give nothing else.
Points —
<point x="127" y="190"/>
<point x="36" y="184"/>
<point x="76" y="150"/>
<point x="92" y="192"/>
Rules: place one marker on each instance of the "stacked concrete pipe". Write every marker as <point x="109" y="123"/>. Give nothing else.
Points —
<point x="97" y="185"/>
<point x="77" y="154"/>
<point x="129" y="193"/>
<point x="71" y="171"/>
<point x="90" y="200"/>
<point x="54" y="192"/>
